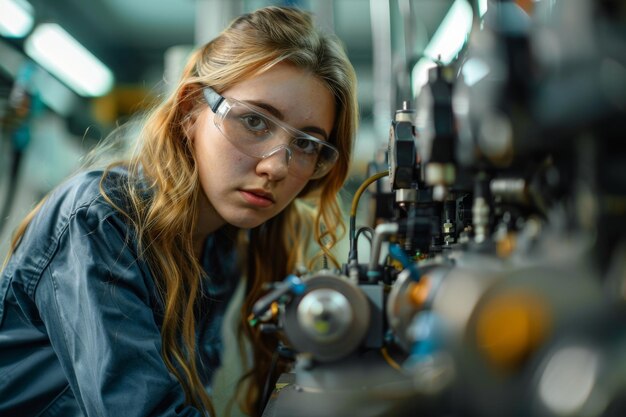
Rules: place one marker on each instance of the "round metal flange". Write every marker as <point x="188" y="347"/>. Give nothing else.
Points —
<point x="329" y="320"/>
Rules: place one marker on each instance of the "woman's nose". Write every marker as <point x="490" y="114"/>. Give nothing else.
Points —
<point x="275" y="164"/>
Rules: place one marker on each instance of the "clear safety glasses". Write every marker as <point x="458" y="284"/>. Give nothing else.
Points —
<point x="260" y="135"/>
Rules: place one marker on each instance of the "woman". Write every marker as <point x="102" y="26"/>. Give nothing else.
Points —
<point x="112" y="298"/>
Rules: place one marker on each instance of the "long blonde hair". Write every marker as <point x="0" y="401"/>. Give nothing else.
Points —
<point x="165" y="221"/>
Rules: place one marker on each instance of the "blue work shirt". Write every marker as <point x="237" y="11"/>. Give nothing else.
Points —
<point x="80" y="316"/>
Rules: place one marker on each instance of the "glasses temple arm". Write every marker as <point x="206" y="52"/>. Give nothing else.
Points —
<point x="212" y="98"/>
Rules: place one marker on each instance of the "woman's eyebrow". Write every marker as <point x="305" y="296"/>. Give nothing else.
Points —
<point x="279" y="115"/>
<point x="273" y="110"/>
<point x="315" y="129"/>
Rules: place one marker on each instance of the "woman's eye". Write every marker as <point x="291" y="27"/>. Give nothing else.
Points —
<point x="306" y="145"/>
<point x="254" y="122"/>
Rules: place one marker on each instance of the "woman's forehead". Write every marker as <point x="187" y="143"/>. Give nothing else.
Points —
<point x="289" y="93"/>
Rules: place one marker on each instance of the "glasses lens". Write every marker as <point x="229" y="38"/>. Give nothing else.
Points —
<point x="259" y="135"/>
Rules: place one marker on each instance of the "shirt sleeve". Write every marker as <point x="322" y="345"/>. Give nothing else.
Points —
<point x="96" y="301"/>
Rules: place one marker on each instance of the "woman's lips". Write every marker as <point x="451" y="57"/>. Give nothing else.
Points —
<point x="257" y="198"/>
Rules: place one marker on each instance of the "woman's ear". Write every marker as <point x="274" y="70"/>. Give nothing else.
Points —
<point x="187" y="104"/>
<point x="187" y="97"/>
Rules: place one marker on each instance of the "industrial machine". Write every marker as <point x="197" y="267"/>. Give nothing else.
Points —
<point x="496" y="278"/>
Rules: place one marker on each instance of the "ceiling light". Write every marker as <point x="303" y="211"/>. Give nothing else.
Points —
<point x="16" y="18"/>
<point x="451" y="34"/>
<point x="419" y="74"/>
<point x="60" y="54"/>
<point x="482" y="7"/>
<point x="445" y="44"/>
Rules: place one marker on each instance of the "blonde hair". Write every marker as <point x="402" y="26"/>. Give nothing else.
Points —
<point x="165" y="222"/>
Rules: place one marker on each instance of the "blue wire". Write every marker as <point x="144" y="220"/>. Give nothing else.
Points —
<point x="396" y="252"/>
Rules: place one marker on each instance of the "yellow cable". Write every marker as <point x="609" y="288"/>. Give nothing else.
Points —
<point x="390" y="360"/>
<point x="364" y="185"/>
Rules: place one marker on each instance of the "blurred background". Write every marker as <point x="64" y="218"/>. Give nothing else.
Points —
<point x="72" y="70"/>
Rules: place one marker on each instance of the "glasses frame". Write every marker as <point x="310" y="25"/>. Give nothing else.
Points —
<point x="216" y="101"/>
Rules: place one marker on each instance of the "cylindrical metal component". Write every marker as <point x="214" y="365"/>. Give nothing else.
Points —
<point x="406" y="195"/>
<point x="381" y="233"/>
<point x="329" y="320"/>
<point x="480" y="219"/>
<point x="325" y="315"/>
<point x="439" y="173"/>
<point x="509" y="189"/>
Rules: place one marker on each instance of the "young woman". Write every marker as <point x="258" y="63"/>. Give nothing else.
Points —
<point x="112" y="297"/>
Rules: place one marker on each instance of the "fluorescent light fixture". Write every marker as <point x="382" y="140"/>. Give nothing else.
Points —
<point x="16" y="18"/>
<point x="445" y="44"/>
<point x="451" y="33"/>
<point x="482" y="7"/>
<point x="60" y="54"/>
<point x="419" y="74"/>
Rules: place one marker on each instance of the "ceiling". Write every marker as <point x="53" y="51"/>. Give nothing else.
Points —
<point x="132" y="36"/>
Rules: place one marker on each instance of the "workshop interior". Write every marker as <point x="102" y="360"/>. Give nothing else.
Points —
<point x="484" y="264"/>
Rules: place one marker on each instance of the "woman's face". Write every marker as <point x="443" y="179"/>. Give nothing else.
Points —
<point x="245" y="191"/>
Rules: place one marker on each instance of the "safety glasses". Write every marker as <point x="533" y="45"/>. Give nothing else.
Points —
<point x="260" y="135"/>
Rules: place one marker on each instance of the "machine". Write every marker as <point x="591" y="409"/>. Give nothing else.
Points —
<point x="496" y="278"/>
